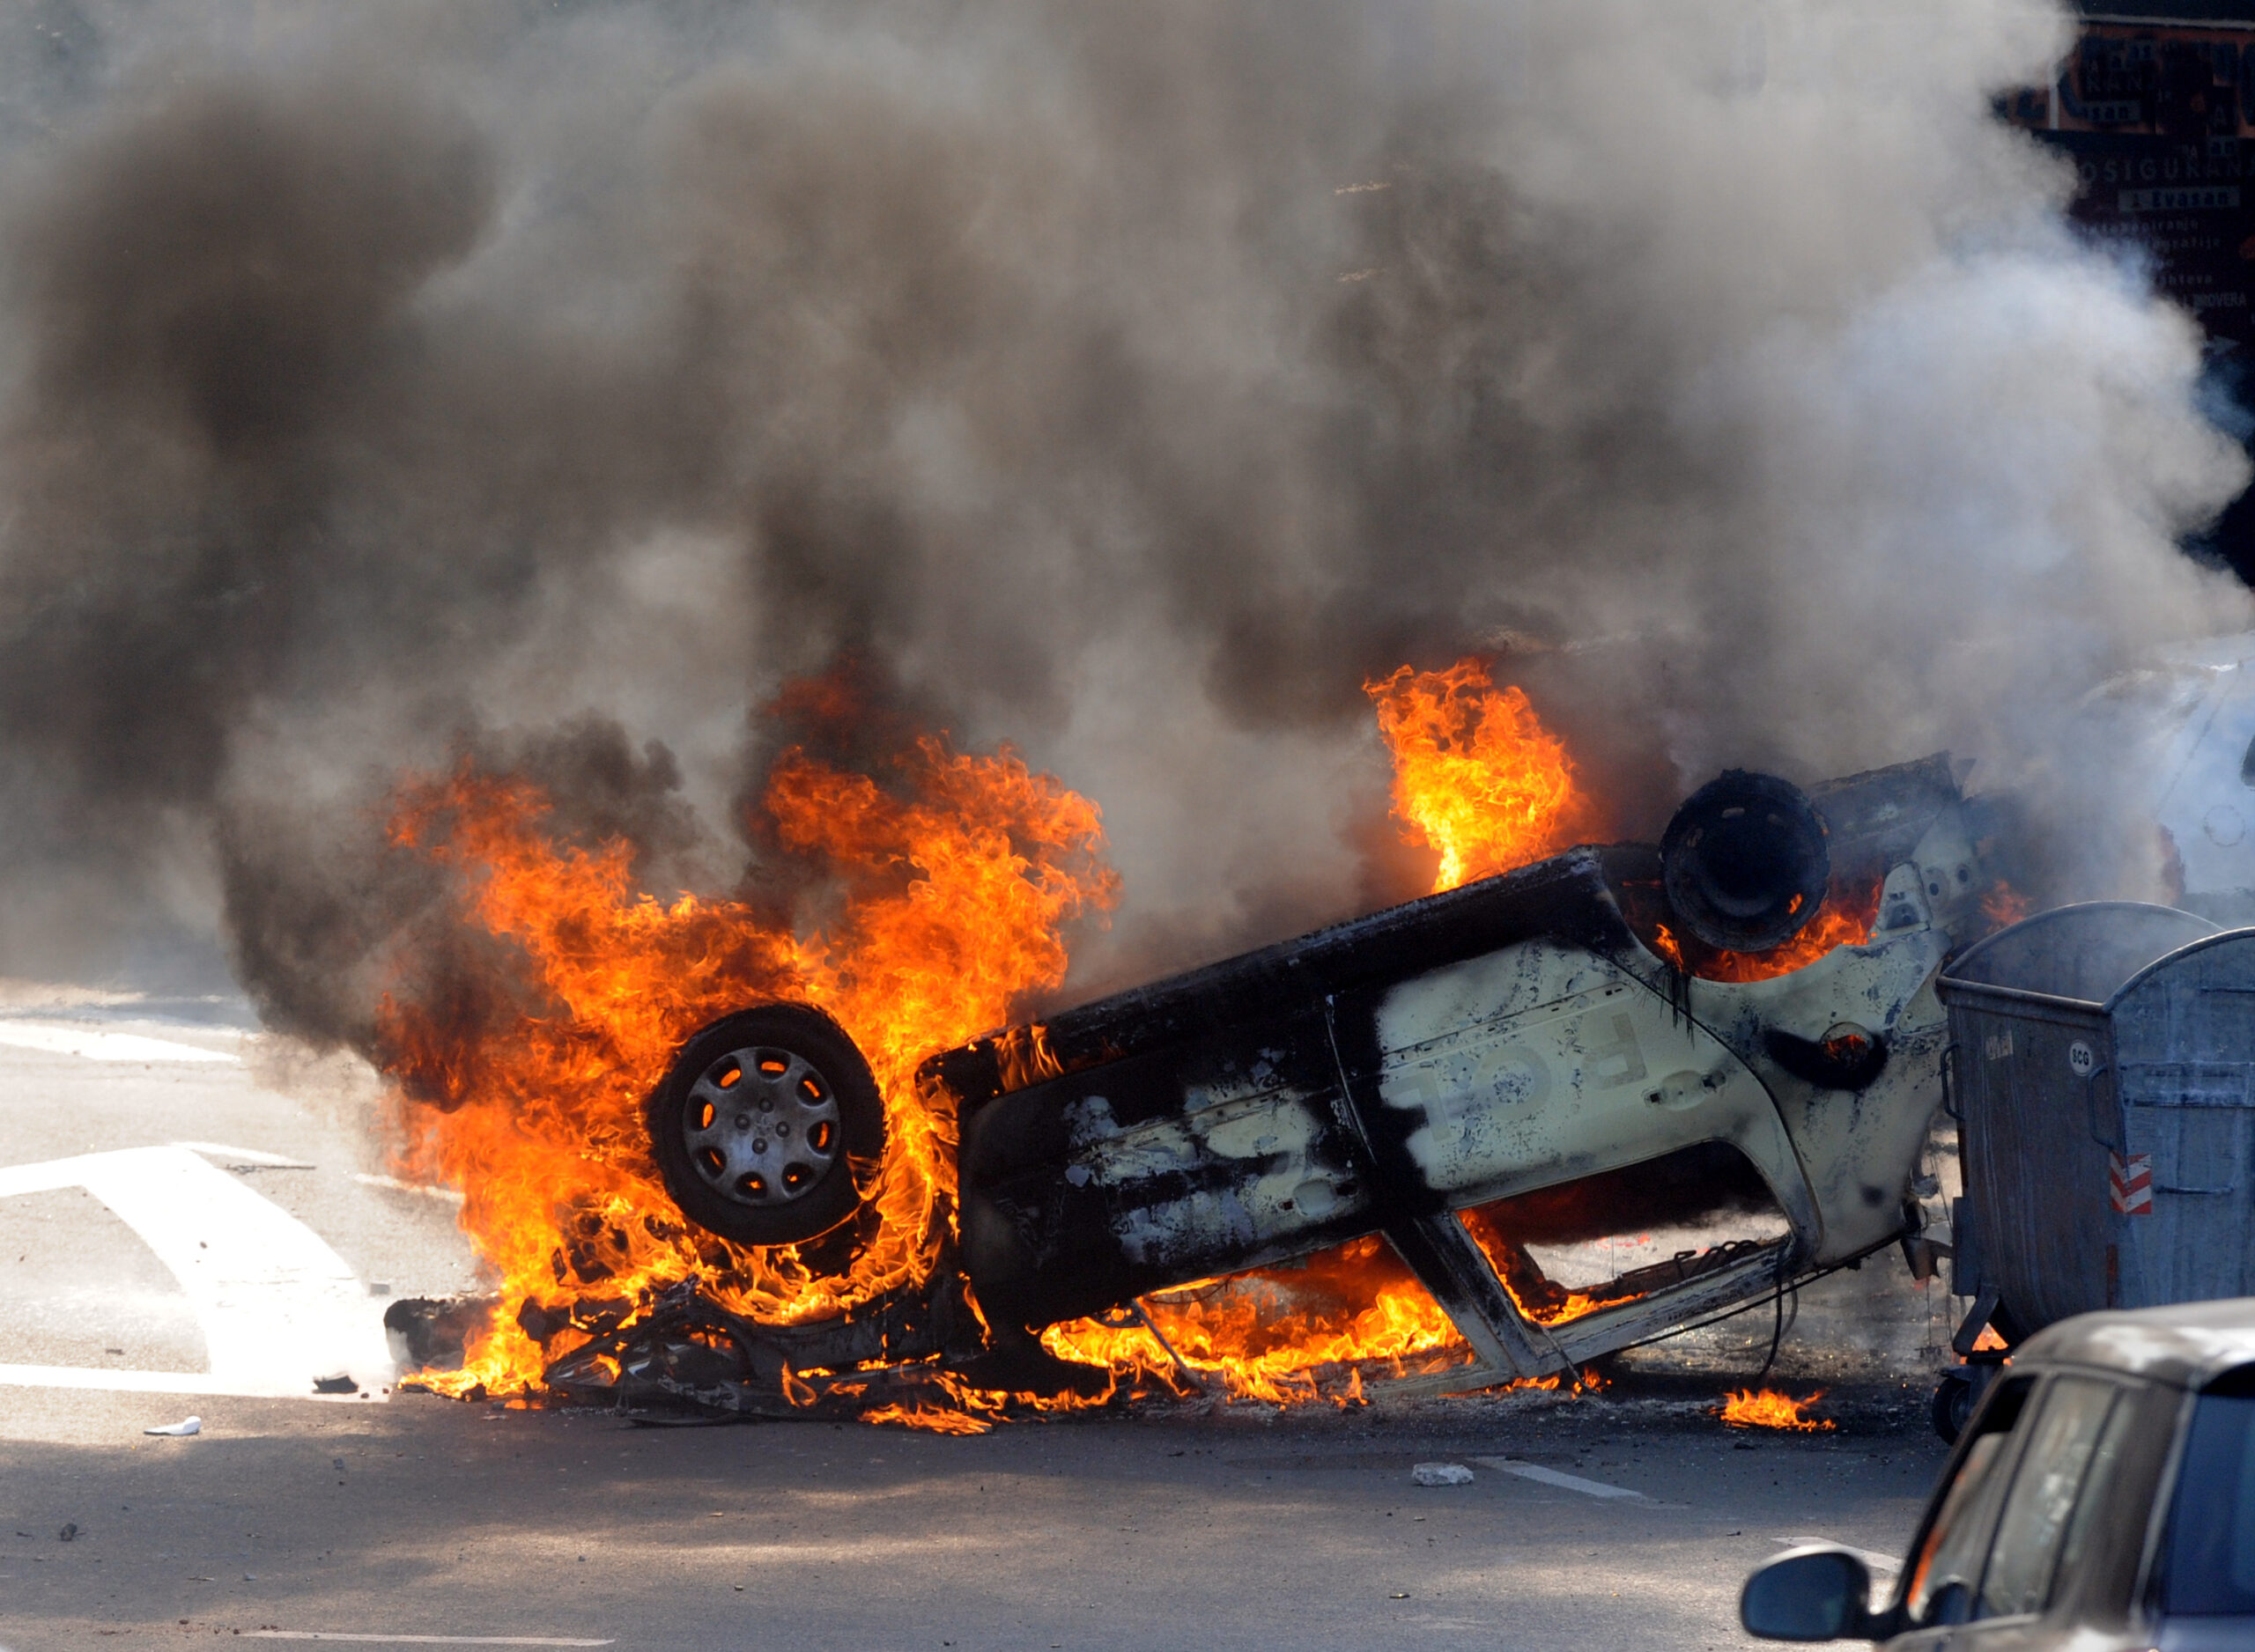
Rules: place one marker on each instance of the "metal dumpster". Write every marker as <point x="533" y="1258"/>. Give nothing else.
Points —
<point x="2102" y="1068"/>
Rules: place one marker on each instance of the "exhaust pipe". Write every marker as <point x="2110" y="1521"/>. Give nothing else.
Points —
<point x="1744" y="862"/>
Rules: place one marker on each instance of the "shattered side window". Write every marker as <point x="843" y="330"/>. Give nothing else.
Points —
<point x="2060" y="1443"/>
<point x="1940" y="1589"/>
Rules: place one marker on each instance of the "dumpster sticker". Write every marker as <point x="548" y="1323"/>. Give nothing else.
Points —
<point x="2080" y="1061"/>
<point x="2129" y="1184"/>
<point x="1997" y="1046"/>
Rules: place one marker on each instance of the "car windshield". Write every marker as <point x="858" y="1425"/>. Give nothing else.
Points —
<point x="2211" y="1565"/>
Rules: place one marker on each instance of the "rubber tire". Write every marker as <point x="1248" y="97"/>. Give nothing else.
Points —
<point x="824" y="1044"/>
<point x="1952" y="1408"/>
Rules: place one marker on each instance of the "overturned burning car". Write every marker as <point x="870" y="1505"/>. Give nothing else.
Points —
<point x="1612" y="1037"/>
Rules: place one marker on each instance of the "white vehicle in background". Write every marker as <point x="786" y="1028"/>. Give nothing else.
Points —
<point x="2201" y="748"/>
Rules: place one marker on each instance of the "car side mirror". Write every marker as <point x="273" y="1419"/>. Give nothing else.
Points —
<point x="1818" y="1593"/>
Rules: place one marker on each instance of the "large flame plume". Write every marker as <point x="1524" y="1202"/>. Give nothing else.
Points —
<point x="957" y="880"/>
<point x="1480" y="780"/>
<point x="1476" y="776"/>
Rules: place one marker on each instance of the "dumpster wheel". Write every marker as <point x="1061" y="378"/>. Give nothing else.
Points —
<point x="1953" y="1406"/>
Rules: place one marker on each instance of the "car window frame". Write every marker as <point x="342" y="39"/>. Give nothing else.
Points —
<point x="2119" y="1410"/>
<point x="2007" y="1465"/>
<point x="2151" y="1565"/>
<point x="2136" y="1404"/>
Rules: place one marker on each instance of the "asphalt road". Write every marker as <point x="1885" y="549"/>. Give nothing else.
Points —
<point x="403" y="1518"/>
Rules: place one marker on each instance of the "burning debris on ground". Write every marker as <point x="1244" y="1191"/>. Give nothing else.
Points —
<point x="1769" y="1408"/>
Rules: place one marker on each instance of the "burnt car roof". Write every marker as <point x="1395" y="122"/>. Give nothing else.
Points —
<point x="2187" y="1344"/>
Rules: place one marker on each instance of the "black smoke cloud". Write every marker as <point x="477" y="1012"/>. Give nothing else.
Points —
<point x="1130" y="382"/>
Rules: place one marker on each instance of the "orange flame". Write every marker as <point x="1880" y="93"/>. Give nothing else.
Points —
<point x="1476" y="774"/>
<point x="1276" y="1334"/>
<point x="931" y="1418"/>
<point x="1769" y="1408"/>
<point x="1023" y="1057"/>
<point x="1536" y="1298"/>
<point x="2004" y="905"/>
<point x="957" y="885"/>
<point x="1575" y="1304"/>
<point x="1844" y="920"/>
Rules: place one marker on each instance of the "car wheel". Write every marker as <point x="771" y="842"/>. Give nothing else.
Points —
<point x="758" y="1123"/>
<point x="1953" y="1407"/>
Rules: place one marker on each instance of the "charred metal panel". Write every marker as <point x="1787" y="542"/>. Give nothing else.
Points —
<point x="1380" y="1104"/>
<point x="1568" y="898"/>
<point x="1858" y="1132"/>
<point x="1202" y="1127"/>
<point x="1449" y="1263"/>
<point x="1876" y="820"/>
<point x="1542" y="1064"/>
<point x="1218" y="1154"/>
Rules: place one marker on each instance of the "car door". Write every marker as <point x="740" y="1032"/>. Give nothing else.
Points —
<point x="2019" y="1570"/>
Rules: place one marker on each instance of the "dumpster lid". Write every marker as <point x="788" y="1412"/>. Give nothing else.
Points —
<point x="2188" y="1344"/>
<point x="2222" y="937"/>
<point x="2085" y="952"/>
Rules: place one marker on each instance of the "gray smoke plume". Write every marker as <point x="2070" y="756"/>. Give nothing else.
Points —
<point x="1130" y="382"/>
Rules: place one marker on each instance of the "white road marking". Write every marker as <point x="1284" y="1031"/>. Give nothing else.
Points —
<point x="417" y="1639"/>
<point x="1535" y="1471"/>
<point x="398" y="1186"/>
<point x="70" y="1038"/>
<point x="140" y="1382"/>
<point x="1564" y="1482"/>
<point x="1871" y="1557"/>
<point x="243" y="1155"/>
<point x="278" y="1307"/>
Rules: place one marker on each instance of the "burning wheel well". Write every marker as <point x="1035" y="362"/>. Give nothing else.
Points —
<point x="1744" y="861"/>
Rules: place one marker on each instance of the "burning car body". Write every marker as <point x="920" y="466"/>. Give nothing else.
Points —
<point x="1610" y="1039"/>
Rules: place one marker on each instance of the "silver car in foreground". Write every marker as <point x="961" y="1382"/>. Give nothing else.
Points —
<point x="2103" y="1497"/>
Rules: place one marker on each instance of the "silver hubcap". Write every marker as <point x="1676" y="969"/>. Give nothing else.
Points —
<point x="761" y="1125"/>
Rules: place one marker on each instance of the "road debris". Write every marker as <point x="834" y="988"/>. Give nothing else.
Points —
<point x="185" y="1426"/>
<point x="1441" y="1474"/>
